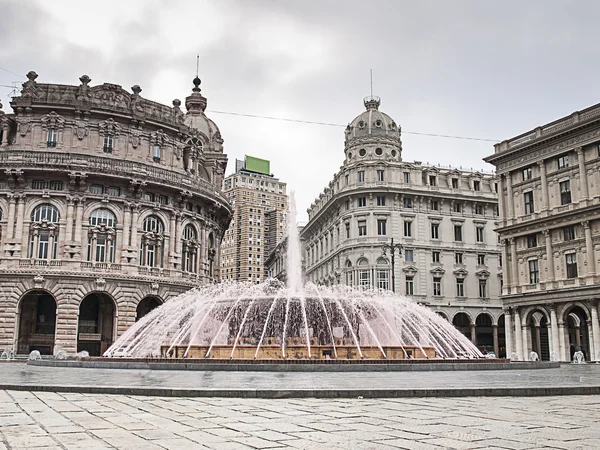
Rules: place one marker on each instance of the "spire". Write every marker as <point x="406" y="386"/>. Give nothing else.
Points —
<point x="196" y="103"/>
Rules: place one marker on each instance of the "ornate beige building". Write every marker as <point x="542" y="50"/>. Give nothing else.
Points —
<point x="110" y="205"/>
<point x="550" y="233"/>
<point x="443" y="217"/>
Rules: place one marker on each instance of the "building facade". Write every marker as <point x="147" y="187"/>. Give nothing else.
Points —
<point x="260" y="205"/>
<point x="444" y="218"/>
<point x="549" y="229"/>
<point x="110" y="204"/>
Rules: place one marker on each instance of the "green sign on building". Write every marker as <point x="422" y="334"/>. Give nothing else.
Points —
<point x="258" y="165"/>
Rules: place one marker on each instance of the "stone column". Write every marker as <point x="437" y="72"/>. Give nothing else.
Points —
<point x="495" y="336"/>
<point x="473" y="334"/>
<point x="20" y="217"/>
<point x="505" y="268"/>
<point x="10" y="226"/>
<point x="582" y="173"/>
<point x="69" y="226"/>
<point x="549" y="256"/>
<point x="544" y="182"/>
<point x="524" y="341"/>
<point x="518" y="336"/>
<point x="508" y="332"/>
<point x="514" y="263"/>
<point x="510" y="214"/>
<point x="134" y="226"/>
<point x="501" y="207"/>
<point x="93" y="253"/>
<point x="589" y="248"/>
<point x="79" y="220"/>
<point x="172" y="232"/>
<point x="556" y="347"/>
<point x="564" y="347"/>
<point x="126" y="224"/>
<point x="51" y="238"/>
<point x="178" y="234"/>
<point x="595" y="331"/>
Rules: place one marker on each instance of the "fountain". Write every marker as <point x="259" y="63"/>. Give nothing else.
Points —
<point x="270" y="321"/>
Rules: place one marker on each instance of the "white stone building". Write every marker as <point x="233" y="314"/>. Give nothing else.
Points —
<point x="444" y="219"/>
<point x="110" y="204"/>
<point x="549" y="228"/>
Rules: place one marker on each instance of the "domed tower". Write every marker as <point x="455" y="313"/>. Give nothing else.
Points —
<point x="110" y="204"/>
<point x="373" y="135"/>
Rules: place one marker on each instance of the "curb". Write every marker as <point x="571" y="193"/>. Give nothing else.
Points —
<point x="312" y="393"/>
<point x="234" y="367"/>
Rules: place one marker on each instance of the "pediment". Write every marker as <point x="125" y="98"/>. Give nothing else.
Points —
<point x="438" y="271"/>
<point x="461" y="273"/>
<point x="410" y="270"/>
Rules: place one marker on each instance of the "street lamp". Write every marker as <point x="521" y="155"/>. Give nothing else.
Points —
<point x="392" y="248"/>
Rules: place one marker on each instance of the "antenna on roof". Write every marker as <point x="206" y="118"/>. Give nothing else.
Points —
<point x="197" y="64"/>
<point x="371" y="82"/>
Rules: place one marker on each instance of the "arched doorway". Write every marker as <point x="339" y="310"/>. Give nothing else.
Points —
<point x="37" y="323"/>
<point x="96" y="323"/>
<point x="484" y="333"/>
<point x="462" y="322"/>
<point x="501" y="337"/>
<point x="578" y="334"/>
<point x="146" y="305"/>
<point x="540" y="343"/>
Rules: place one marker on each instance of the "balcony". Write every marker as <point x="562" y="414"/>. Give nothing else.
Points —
<point x="100" y="266"/>
<point x="40" y="262"/>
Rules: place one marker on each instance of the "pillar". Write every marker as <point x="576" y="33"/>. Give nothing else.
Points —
<point x="20" y="216"/>
<point x="595" y="331"/>
<point x="177" y="246"/>
<point x="549" y="256"/>
<point x="10" y="225"/>
<point x="473" y="334"/>
<point x="556" y="347"/>
<point x="525" y="341"/>
<point x="134" y="225"/>
<point x="589" y="248"/>
<point x="518" y="336"/>
<point x="93" y="255"/>
<point x="51" y="246"/>
<point x="172" y="233"/>
<point x="564" y="345"/>
<point x="495" y="336"/>
<point x="505" y="268"/>
<point x="508" y="332"/>
<point x="544" y="182"/>
<point x="126" y="223"/>
<point x="582" y="174"/>
<point x="510" y="214"/>
<point x="79" y="220"/>
<point x="69" y="226"/>
<point x="501" y="207"/>
<point x="514" y="263"/>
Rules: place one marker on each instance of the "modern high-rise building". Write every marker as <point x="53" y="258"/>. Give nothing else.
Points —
<point x="260" y="205"/>
<point x="444" y="218"/>
<point x="549" y="230"/>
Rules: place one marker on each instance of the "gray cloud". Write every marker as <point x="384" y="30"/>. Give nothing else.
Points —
<point x="464" y="67"/>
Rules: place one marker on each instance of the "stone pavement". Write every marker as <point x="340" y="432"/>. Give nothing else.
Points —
<point x="44" y="420"/>
<point x="576" y="379"/>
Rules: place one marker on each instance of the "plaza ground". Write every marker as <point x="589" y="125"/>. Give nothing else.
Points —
<point x="46" y="420"/>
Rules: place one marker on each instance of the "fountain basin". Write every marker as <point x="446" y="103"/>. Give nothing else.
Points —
<point x="296" y="352"/>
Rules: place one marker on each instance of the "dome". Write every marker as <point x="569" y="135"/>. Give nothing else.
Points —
<point x="207" y="130"/>
<point x="372" y="122"/>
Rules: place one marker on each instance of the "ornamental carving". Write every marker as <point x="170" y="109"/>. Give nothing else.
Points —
<point x="53" y="121"/>
<point x="30" y="87"/>
<point x="159" y="138"/>
<point x="23" y="125"/>
<point x="110" y="127"/>
<point x="135" y="137"/>
<point x="81" y="129"/>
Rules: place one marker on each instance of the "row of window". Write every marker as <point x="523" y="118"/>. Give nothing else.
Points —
<point x="570" y="263"/>
<point x="383" y="282"/>
<point x="408" y="230"/>
<point x="562" y="162"/>
<point x="43" y="243"/>
<point x="565" y="197"/>
<point x="430" y="180"/>
<point x="408" y="203"/>
<point x="568" y="233"/>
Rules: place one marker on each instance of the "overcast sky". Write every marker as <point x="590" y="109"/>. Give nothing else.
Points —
<point x="465" y="68"/>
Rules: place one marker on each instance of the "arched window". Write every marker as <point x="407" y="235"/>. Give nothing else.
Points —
<point x="364" y="274"/>
<point x="151" y="252"/>
<point x="189" y="249"/>
<point x="43" y="240"/>
<point x="103" y="216"/>
<point x="101" y="237"/>
<point x="191" y="153"/>
<point x="383" y="274"/>
<point x="349" y="274"/>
